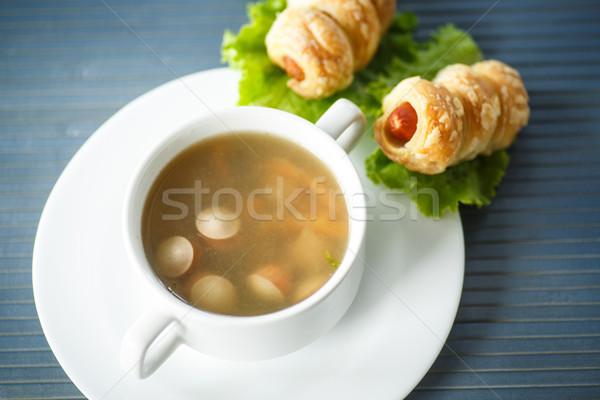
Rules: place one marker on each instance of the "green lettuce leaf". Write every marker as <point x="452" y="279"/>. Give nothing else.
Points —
<point x="471" y="182"/>
<point x="399" y="56"/>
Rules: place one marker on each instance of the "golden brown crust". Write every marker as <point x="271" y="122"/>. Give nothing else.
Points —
<point x="385" y="11"/>
<point x="317" y="45"/>
<point x="481" y="105"/>
<point x="357" y="18"/>
<point x="513" y="100"/>
<point x="465" y="111"/>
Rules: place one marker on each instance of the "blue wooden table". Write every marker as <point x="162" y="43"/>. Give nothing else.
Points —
<point x="528" y="326"/>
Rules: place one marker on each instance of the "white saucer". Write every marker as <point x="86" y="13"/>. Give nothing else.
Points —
<point x="381" y="349"/>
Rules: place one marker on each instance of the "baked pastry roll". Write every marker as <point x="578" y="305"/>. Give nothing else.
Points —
<point x="313" y="49"/>
<point x="357" y="18"/>
<point x="320" y="44"/>
<point x="464" y="112"/>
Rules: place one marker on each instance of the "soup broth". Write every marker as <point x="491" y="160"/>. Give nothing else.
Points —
<point x="245" y="224"/>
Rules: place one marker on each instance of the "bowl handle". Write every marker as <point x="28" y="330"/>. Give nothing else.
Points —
<point x="344" y="122"/>
<point x="150" y="341"/>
